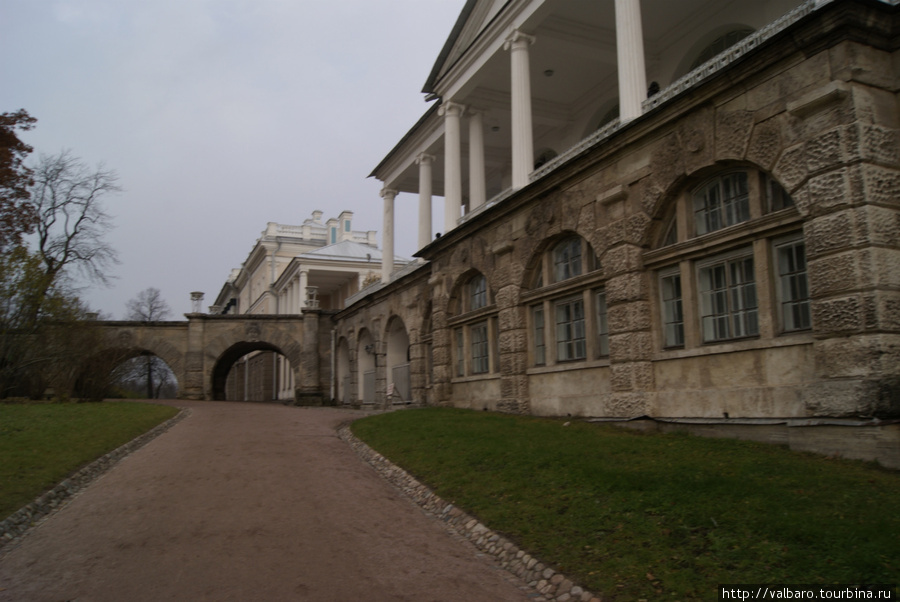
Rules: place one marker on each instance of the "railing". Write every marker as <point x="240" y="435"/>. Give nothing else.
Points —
<point x="680" y="86"/>
<point x="408" y="268"/>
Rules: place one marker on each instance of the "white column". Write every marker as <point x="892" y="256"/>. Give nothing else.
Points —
<point x="425" y="225"/>
<point x="522" y="133"/>
<point x="452" y="164"/>
<point x="630" y="57"/>
<point x="476" y="160"/>
<point x="304" y="276"/>
<point x="387" y="250"/>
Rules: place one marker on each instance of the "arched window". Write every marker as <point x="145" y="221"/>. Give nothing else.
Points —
<point x="567" y="317"/>
<point x="474" y="327"/>
<point x="736" y="240"/>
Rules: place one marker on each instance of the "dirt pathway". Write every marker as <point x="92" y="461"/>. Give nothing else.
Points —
<point x="246" y="502"/>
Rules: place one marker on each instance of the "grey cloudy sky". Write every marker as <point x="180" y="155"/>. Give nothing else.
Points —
<point x="220" y="116"/>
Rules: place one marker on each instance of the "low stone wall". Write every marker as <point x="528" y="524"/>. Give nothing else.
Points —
<point x="552" y="584"/>
<point x="29" y="516"/>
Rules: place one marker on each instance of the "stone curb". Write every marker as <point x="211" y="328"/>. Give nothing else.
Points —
<point x="18" y="523"/>
<point x="551" y="584"/>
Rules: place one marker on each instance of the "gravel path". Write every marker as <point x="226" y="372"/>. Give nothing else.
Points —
<point x="247" y="502"/>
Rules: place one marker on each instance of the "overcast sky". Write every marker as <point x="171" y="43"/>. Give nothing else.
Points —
<point x="220" y="116"/>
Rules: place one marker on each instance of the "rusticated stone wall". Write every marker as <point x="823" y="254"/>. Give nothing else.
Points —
<point x="815" y="111"/>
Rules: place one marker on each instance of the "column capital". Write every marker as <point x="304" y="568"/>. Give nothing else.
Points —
<point x="388" y="192"/>
<point x="451" y="108"/>
<point x="424" y="158"/>
<point x="518" y="39"/>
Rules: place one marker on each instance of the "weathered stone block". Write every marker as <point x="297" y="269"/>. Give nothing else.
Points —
<point x="843" y="314"/>
<point x="512" y="341"/>
<point x="766" y="143"/>
<point x="833" y="274"/>
<point x="854" y="398"/>
<point x="629" y="405"/>
<point x="825" y="151"/>
<point x="630" y="346"/>
<point x="881" y="185"/>
<point x="878" y="144"/>
<point x="732" y="133"/>
<point x="829" y="192"/>
<point x="829" y="233"/>
<point x="622" y="259"/>
<point x="629" y="317"/>
<point x="791" y="168"/>
<point x="626" y="287"/>
<point x="508" y="296"/>
<point x="858" y="357"/>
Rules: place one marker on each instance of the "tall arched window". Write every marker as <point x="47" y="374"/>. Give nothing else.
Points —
<point x="567" y="304"/>
<point x="474" y="327"/>
<point x="731" y="248"/>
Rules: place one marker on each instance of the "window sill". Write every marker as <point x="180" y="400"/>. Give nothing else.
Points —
<point x="567" y="366"/>
<point x="736" y="345"/>
<point x="474" y="378"/>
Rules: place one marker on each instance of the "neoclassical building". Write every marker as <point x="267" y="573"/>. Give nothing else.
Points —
<point x="291" y="269"/>
<point x="683" y="210"/>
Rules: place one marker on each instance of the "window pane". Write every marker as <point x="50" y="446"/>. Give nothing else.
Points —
<point x="567" y="259"/>
<point x="570" y="341"/>
<point x="602" y="326"/>
<point x="794" y="289"/>
<point x="460" y="353"/>
<point x="721" y="203"/>
<point x="540" y="352"/>
<point x="728" y="305"/>
<point x="480" y="358"/>
<point x="673" y="315"/>
<point x="477" y="292"/>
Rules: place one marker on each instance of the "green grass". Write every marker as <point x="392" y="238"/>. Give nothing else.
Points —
<point x="636" y="515"/>
<point x="42" y="444"/>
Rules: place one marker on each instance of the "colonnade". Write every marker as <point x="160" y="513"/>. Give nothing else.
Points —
<point x="632" y="90"/>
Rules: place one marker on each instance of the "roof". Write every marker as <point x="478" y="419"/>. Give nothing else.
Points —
<point x="347" y="250"/>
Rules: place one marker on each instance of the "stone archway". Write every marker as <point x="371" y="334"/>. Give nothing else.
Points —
<point x="225" y="361"/>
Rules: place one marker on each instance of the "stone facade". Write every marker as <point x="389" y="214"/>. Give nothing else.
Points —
<point x="787" y="307"/>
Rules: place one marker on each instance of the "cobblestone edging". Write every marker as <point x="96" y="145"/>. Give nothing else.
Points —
<point x="29" y="516"/>
<point x="542" y="578"/>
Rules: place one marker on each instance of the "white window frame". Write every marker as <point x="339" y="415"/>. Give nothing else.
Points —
<point x="739" y="319"/>
<point x="672" y="309"/>
<point x="571" y="335"/>
<point x="792" y="287"/>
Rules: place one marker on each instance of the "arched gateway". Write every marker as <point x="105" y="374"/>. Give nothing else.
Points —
<point x="202" y="350"/>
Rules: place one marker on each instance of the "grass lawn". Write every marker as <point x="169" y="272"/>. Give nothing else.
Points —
<point x="653" y="516"/>
<point x="42" y="444"/>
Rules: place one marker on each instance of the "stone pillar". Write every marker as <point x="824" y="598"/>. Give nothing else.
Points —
<point x="522" y="132"/>
<point x="304" y="278"/>
<point x="387" y="250"/>
<point x="630" y="58"/>
<point x="191" y="384"/>
<point x="425" y="188"/>
<point x="452" y="164"/>
<point x="630" y="336"/>
<point x="310" y="390"/>
<point x="476" y="160"/>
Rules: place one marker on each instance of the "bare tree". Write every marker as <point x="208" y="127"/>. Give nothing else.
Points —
<point x="148" y="306"/>
<point x="72" y="221"/>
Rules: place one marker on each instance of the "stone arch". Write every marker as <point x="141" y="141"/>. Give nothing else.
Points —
<point x="539" y="248"/>
<point x="457" y="291"/>
<point x="366" y="366"/>
<point x="397" y="359"/>
<point x="343" y="378"/>
<point x="224" y="350"/>
<point x="110" y="358"/>
<point x="226" y="360"/>
<point x="661" y="211"/>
